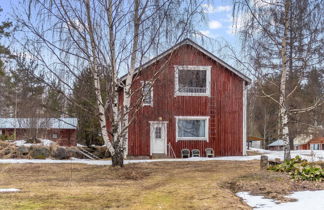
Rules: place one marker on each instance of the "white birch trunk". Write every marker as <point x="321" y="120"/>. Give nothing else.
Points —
<point x="282" y="100"/>
<point x="94" y="70"/>
<point x="129" y="78"/>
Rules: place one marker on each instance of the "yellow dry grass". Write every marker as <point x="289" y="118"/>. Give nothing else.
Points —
<point x="159" y="185"/>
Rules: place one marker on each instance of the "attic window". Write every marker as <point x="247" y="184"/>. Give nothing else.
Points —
<point x="147" y="94"/>
<point x="192" y="80"/>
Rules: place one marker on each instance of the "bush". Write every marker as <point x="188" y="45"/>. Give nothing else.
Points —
<point x="7" y="137"/>
<point x="300" y="169"/>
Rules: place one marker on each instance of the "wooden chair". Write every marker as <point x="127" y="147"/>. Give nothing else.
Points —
<point x="195" y="153"/>
<point x="209" y="152"/>
<point x="185" y="153"/>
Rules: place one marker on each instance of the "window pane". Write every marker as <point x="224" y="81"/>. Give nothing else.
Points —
<point x="192" y="81"/>
<point x="315" y="146"/>
<point x="147" y="94"/>
<point x="158" y="132"/>
<point x="191" y="128"/>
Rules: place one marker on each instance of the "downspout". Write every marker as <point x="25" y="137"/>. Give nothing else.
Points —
<point x="244" y="116"/>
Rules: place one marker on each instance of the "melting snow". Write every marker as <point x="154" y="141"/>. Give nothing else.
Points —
<point x="310" y="155"/>
<point x="305" y="200"/>
<point x="108" y="162"/>
<point x="44" y="142"/>
<point x="4" y="190"/>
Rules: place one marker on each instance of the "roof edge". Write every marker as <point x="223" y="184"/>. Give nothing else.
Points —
<point x="198" y="47"/>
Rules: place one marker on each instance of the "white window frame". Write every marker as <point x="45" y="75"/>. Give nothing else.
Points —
<point x="54" y="135"/>
<point x="145" y="104"/>
<point x="202" y="68"/>
<point x="206" y="138"/>
<point x="312" y="146"/>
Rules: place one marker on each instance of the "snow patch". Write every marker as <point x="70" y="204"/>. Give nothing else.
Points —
<point x="309" y="155"/>
<point x="305" y="200"/>
<point x="44" y="142"/>
<point x="4" y="190"/>
<point x="108" y="162"/>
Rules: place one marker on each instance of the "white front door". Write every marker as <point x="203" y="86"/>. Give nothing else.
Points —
<point x="158" y="137"/>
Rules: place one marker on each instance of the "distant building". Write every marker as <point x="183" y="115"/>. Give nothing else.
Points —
<point x="61" y="130"/>
<point x="301" y="140"/>
<point x="254" y="142"/>
<point x="316" y="143"/>
<point x="277" y="145"/>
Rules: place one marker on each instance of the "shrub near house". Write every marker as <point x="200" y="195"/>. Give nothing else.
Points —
<point x="300" y="169"/>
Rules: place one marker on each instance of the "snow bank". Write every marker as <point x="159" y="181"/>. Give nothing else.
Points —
<point x="108" y="162"/>
<point x="305" y="200"/>
<point x="315" y="155"/>
<point x="305" y="154"/>
<point x="4" y="190"/>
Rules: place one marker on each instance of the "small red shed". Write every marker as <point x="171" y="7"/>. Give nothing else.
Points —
<point x="61" y="130"/>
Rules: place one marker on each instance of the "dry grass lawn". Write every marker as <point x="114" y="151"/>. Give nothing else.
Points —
<point x="159" y="185"/>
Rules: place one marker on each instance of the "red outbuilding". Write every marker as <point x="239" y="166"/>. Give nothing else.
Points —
<point x="60" y="130"/>
<point x="197" y="105"/>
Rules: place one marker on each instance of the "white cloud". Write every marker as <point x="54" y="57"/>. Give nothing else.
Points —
<point x="228" y="18"/>
<point x="214" y="24"/>
<point x="208" y="8"/>
<point x="207" y="33"/>
<point x="223" y="8"/>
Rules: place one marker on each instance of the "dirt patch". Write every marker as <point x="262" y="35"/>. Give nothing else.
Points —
<point x="251" y="153"/>
<point x="273" y="185"/>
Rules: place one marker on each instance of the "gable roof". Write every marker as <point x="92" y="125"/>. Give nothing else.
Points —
<point x="188" y="41"/>
<point x="26" y="123"/>
<point x="279" y="142"/>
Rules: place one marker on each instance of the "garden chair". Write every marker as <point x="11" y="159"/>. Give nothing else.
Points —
<point x="209" y="152"/>
<point x="185" y="153"/>
<point x="195" y="153"/>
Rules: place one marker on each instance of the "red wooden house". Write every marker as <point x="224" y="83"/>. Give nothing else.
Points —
<point x="197" y="102"/>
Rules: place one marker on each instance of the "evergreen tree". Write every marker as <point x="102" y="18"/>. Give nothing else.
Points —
<point x="4" y="50"/>
<point x="54" y="102"/>
<point x="85" y="110"/>
<point x="24" y="91"/>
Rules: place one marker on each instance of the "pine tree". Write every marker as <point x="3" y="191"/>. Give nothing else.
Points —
<point x="4" y="50"/>
<point x="85" y="110"/>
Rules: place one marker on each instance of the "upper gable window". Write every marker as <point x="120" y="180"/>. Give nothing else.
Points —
<point x="147" y="93"/>
<point x="192" y="80"/>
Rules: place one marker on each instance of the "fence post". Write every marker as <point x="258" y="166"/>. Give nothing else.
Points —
<point x="264" y="162"/>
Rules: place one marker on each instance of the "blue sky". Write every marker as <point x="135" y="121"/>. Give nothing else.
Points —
<point x="218" y="13"/>
<point x="219" y="20"/>
<point x="218" y="25"/>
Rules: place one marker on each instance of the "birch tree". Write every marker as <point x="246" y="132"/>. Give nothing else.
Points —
<point x="108" y="37"/>
<point x="281" y="37"/>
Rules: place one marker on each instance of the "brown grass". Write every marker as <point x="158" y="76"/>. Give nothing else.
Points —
<point x="159" y="185"/>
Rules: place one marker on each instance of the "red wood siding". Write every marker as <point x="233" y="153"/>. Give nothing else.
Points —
<point x="65" y="137"/>
<point x="225" y="107"/>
